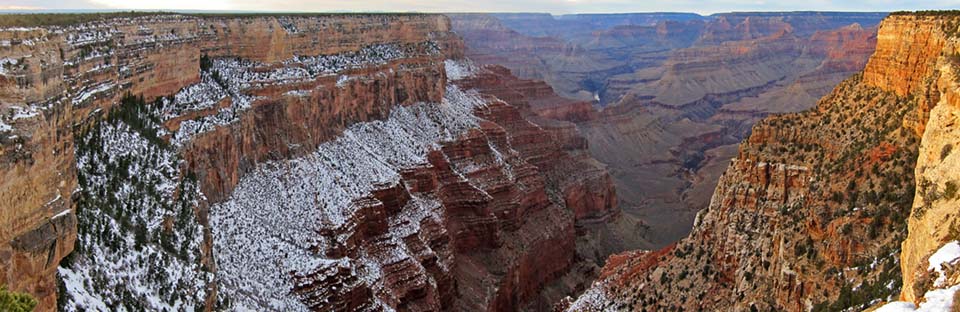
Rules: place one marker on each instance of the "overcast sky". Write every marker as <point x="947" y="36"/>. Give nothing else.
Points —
<point x="552" y="6"/>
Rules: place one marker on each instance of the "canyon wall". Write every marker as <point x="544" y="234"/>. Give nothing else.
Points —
<point x="677" y="93"/>
<point x="800" y="223"/>
<point x="361" y="153"/>
<point x="929" y="59"/>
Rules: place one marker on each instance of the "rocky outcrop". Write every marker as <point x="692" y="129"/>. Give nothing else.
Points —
<point x="276" y="39"/>
<point x="801" y="223"/>
<point x="679" y="92"/>
<point x="422" y="182"/>
<point x="782" y="221"/>
<point x="285" y="126"/>
<point x="907" y="49"/>
<point x="55" y="79"/>
<point x="548" y="142"/>
<point x="51" y="81"/>
<point x="484" y="223"/>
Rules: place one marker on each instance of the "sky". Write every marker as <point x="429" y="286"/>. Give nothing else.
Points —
<point x="550" y="6"/>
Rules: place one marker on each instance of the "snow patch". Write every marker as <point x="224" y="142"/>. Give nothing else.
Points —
<point x="941" y="298"/>
<point x="5" y="127"/>
<point x="947" y="254"/>
<point x="460" y="69"/>
<point x="594" y="299"/>
<point x="89" y="92"/>
<point x="936" y="300"/>
<point x="6" y="64"/>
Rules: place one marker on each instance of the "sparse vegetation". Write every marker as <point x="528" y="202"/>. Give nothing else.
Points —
<point x="131" y="187"/>
<point x="15" y="302"/>
<point x="950" y="190"/>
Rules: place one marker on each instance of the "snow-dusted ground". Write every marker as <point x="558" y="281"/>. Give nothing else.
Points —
<point x="6" y="64"/>
<point x="940" y="298"/>
<point x="232" y="77"/>
<point x="459" y="69"/>
<point x="15" y="114"/>
<point x="949" y="253"/>
<point x="129" y="257"/>
<point x="595" y="299"/>
<point x="125" y="259"/>
<point x="269" y="224"/>
<point x="937" y="300"/>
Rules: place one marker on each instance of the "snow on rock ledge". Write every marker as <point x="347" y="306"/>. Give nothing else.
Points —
<point x="941" y="297"/>
<point x="267" y="229"/>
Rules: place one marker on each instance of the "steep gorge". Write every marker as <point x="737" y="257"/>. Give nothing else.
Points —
<point x="305" y="162"/>
<point x="812" y="212"/>
<point x="672" y="95"/>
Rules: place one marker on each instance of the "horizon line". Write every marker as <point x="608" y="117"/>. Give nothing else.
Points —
<point x="69" y="11"/>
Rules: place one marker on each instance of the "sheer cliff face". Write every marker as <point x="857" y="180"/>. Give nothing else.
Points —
<point x="934" y="218"/>
<point x="812" y="212"/>
<point x="344" y="162"/>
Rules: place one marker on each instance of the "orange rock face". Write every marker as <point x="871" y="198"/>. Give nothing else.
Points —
<point x="907" y="48"/>
<point x="271" y="39"/>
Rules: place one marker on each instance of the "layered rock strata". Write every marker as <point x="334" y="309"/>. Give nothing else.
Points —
<point x="678" y="93"/>
<point x="287" y="163"/>
<point x="802" y="223"/>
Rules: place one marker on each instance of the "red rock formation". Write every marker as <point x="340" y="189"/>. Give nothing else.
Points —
<point x="281" y="127"/>
<point x="589" y="195"/>
<point x="272" y="39"/>
<point x="501" y="239"/>
<point x="907" y="47"/>
<point x="75" y="71"/>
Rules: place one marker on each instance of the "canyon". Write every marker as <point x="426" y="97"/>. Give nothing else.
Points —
<point x="794" y="161"/>
<point x="305" y="162"/>
<point x="664" y="99"/>
<point x="800" y="223"/>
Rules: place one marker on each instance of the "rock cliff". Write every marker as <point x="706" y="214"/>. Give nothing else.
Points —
<point x="302" y="162"/>
<point x="678" y="93"/>
<point x="930" y="54"/>
<point x="801" y="223"/>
